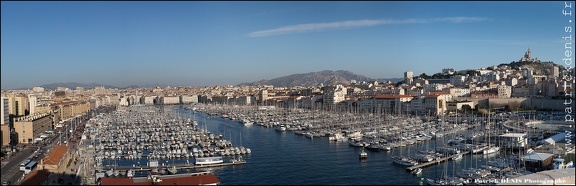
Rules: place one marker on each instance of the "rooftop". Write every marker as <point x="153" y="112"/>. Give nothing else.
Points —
<point x="55" y="155"/>
<point x="514" y="135"/>
<point x="36" y="177"/>
<point x="536" y="156"/>
<point x="391" y="96"/>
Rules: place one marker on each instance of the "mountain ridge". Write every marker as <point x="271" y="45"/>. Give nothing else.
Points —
<point x="324" y="77"/>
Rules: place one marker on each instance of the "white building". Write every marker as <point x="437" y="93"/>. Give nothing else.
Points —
<point x="459" y="92"/>
<point x="5" y="111"/>
<point x="395" y="91"/>
<point x="433" y="87"/>
<point x="458" y="80"/>
<point x="123" y="101"/>
<point x="38" y="89"/>
<point x="33" y="101"/>
<point x="512" y="82"/>
<point x="409" y="77"/>
<point x="514" y="140"/>
<point x="170" y="100"/>
<point x="334" y="95"/>
<point x="504" y="91"/>
<point x="148" y="100"/>
<point x="436" y="103"/>
<point x="189" y="99"/>
<point x="245" y="100"/>
<point x="414" y="91"/>
<point x="457" y="105"/>
<point x="390" y="103"/>
<point x="448" y="71"/>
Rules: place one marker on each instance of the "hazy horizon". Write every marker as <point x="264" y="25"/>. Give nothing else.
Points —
<point x="227" y="43"/>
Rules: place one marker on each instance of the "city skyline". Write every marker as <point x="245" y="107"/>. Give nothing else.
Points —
<point x="219" y="43"/>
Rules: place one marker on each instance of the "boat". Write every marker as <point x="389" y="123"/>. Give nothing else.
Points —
<point x="417" y="171"/>
<point x="373" y="147"/>
<point x="457" y="157"/>
<point x="424" y="157"/>
<point x="247" y="122"/>
<point x="209" y="160"/>
<point x="377" y="147"/>
<point x="282" y="128"/>
<point x="172" y="170"/>
<point x="491" y="150"/>
<point x="355" y="143"/>
<point x="130" y="173"/>
<point x="363" y="154"/>
<point x="309" y="135"/>
<point x="404" y="161"/>
<point x="239" y="160"/>
<point x="444" y="181"/>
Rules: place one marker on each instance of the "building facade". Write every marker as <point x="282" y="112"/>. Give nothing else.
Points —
<point x="30" y="127"/>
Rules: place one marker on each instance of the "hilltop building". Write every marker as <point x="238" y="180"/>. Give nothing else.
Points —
<point x="528" y="57"/>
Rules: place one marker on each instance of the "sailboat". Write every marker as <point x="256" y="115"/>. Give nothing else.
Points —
<point x="404" y="161"/>
<point x="490" y="149"/>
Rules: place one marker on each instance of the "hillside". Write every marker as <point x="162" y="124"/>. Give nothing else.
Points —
<point x="326" y="77"/>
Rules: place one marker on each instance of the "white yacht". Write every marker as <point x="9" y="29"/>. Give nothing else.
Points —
<point x="209" y="160"/>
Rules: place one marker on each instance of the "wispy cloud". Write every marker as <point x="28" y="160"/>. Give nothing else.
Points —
<point x="316" y="27"/>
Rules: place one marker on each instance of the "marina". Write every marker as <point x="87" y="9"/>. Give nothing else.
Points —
<point x="437" y="161"/>
<point x="279" y="145"/>
<point x="157" y="141"/>
<point x="177" y="167"/>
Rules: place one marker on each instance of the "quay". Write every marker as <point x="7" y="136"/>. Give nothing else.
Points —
<point x="179" y="167"/>
<point x="437" y="161"/>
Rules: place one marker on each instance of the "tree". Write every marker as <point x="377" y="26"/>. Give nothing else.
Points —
<point x="424" y="76"/>
<point x="478" y="107"/>
<point x="466" y="108"/>
<point x="473" y="73"/>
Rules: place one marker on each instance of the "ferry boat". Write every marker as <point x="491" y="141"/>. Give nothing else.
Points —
<point x="209" y="160"/>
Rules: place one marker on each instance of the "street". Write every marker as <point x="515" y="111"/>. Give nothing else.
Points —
<point x="11" y="171"/>
<point x="11" y="166"/>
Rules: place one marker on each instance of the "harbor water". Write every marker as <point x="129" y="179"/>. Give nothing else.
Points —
<point x="285" y="158"/>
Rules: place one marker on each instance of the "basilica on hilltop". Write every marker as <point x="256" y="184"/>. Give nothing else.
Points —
<point x="528" y="57"/>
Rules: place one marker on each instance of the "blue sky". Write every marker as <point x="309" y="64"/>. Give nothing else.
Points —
<point x="219" y="43"/>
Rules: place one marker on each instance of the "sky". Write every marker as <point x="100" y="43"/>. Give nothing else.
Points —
<point x="226" y="43"/>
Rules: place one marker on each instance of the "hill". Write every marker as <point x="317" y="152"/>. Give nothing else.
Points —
<point x="537" y="67"/>
<point x="326" y="77"/>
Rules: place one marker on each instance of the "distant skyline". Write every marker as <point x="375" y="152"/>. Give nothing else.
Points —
<point x="227" y="43"/>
